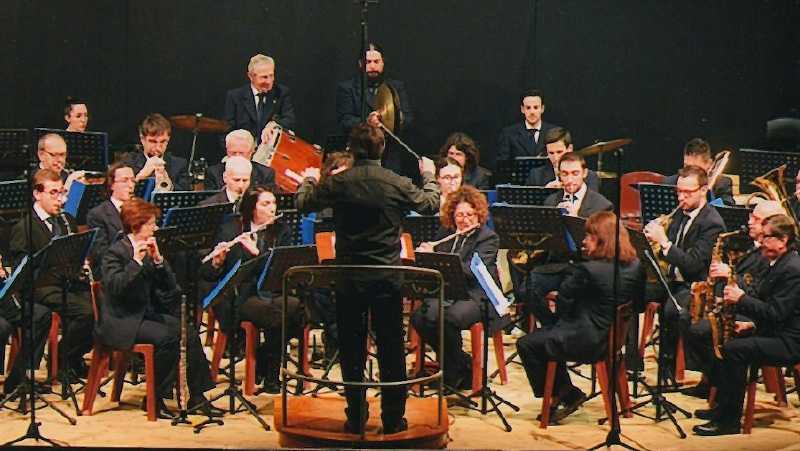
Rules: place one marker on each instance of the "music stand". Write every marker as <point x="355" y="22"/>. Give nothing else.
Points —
<point x="284" y="201"/>
<point x="294" y="219"/>
<point x="280" y="260"/>
<point x="86" y="150"/>
<point x="422" y="228"/>
<point x="755" y="163"/>
<point x="523" y="195"/>
<point x="735" y="217"/>
<point x="228" y="286"/>
<point x="82" y="198"/>
<point x="656" y="200"/>
<point x="13" y="148"/>
<point x="529" y="227"/>
<point x="144" y="188"/>
<point x="575" y="232"/>
<point x="516" y="171"/>
<point x="180" y="199"/>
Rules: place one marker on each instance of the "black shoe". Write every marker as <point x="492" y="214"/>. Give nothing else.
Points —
<point x="80" y="369"/>
<point x="700" y="390"/>
<point x="395" y="427"/>
<point x="571" y="403"/>
<point x="705" y="414"/>
<point x="350" y="425"/>
<point x="551" y="422"/>
<point x="714" y="428"/>
<point x="201" y="405"/>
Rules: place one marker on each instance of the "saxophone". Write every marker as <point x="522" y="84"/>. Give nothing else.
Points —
<point x="721" y="316"/>
<point x="703" y="292"/>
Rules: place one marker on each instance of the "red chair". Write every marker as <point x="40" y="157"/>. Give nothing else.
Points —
<point x="101" y="356"/>
<point x="602" y="369"/>
<point x="631" y="206"/>
<point x="250" y="345"/>
<point x="16" y="339"/>
<point x="647" y="333"/>
<point x="52" y="344"/>
<point x="476" y="341"/>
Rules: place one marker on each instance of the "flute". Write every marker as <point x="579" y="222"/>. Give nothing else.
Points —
<point x="229" y="244"/>
<point x="451" y="236"/>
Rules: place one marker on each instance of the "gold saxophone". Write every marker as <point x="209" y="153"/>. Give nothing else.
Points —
<point x="721" y="316"/>
<point x="703" y="299"/>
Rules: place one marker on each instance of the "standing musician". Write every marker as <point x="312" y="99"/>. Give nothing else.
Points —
<point x="697" y="152"/>
<point x="170" y="171"/>
<point x="259" y="102"/>
<point x="686" y="245"/>
<point x="369" y="203"/>
<point x="11" y="319"/>
<point x="462" y="148"/>
<point x="774" y="331"/>
<point x="235" y="179"/>
<point x="524" y="139"/>
<point x="76" y="114"/>
<point x="348" y="109"/>
<point x="139" y="289"/>
<point x="749" y="270"/>
<point x="587" y="308"/>
<point x="257" y="234"/>
<point x="240" y="143"/>
<point x="576" y="199"/>
<point x="558" y="143"/>
<point x="48" y="221"/>
<point x="105" y="217"/>
<point x="465" y="212"/>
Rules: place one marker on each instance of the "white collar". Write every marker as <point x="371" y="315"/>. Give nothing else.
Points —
<point x="537" y="126"/>
<point x="693" y="214"/>
<point x="43" y="215"/>
<point x="581" y="194"/>
<point x="232" y="197"/>
<point x="117" y="203"/>
<point x="132" y="240"/>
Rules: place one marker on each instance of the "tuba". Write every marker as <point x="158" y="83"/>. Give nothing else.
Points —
<point x="773" y="187"/>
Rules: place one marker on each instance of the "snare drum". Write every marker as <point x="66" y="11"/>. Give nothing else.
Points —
<point x="289" y="155"/>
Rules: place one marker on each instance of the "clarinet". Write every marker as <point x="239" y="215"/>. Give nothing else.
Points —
<point x="183" y="361"/>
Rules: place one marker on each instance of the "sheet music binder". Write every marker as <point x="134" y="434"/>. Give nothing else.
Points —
<point x="14" y="284"/>
<point x="516" y="171"/>
<point x="67" y="253"/>
<point x="197" y="223"/>
<point x="279" y="261"/>
<point x="82" y="198"/>
<point x="85" y="150"/>
<point x="523" y="195"/>
<point x="421" y="227"/>
<point x="144" y="188"/>
<point x="489" y="286"/>
<point x="656" y="200"/>
<point x="239" y="272"/>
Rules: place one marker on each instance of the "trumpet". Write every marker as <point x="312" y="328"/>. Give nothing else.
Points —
<point x="229" y="244"/>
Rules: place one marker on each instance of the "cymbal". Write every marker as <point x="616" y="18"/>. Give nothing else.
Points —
<point x="607" y="175"/>
<point x="604" y="146"/>
<point x="202" y="124"/>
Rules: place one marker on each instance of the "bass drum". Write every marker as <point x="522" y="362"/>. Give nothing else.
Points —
<point x="288" y="156"/>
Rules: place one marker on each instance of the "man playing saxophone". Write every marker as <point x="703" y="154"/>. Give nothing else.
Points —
<point x="686" y="244"/>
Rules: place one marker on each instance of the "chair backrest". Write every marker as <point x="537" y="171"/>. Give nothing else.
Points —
<point x="94" y="295"/>
<point x="618" y="333"/>
<point x="326" y="246"/>
<point x="631" y="206"/>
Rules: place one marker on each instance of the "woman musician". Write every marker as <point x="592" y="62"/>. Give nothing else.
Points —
<point x="258" y="208"/>
<point x="465" y="212"/>
<point x="139" y="290"/>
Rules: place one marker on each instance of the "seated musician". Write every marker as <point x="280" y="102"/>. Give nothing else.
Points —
<point x="773" y="333"/>
<point x="586" y="307"/>
<point x="106" y="216"/>
<point x="171" y="172"/>
<point x="76" y="114"/>
<point x="10" y="321"/>
<point x="48" y="221"/>
<point x="139" y="289"/>
<point x="558" y="143"/>
<point x="697" y="152"/>
<point x="465" y="212"/>
<point x="52" y="153"/>
<point x="749" y="270"/>
<point x="686" y="245"/>
<point x="576" y="199"/>
<point x="240" y="143"/>
<point x="258" y="209"/>
<point x="462" y="148"/>
<point x="449" y="175"/>
<point x="235" y="179"/>
<point x="525" y="138"/>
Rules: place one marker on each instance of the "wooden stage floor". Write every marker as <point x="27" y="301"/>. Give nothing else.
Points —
<point x="126" y="426"/>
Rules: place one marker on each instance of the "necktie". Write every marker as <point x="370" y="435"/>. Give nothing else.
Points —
<point x="262" y="100"/>
<point x="678" y="240"/>
<point x="56" y="226"/>
<point x="534" y="132"/>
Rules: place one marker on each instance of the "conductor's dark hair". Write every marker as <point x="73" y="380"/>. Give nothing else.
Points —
<point x="366" y="142"/>
<point x="70" y="101"/>
<point x="557" y="134"/>
<point x="249" y="201"/>
<point x="694" y="171"/>
<point x="531" y="93"/>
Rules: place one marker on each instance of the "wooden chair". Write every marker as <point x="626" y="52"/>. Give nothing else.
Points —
<point x="602" y="368"/>
<point x="251" y="335"/>
<point x="16" y="340"/>
<point x="647" y="333"/>
<point x="631" y="206"/>
<point x="52" y="344"/>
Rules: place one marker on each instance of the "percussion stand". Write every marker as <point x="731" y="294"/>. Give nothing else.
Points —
<point x="195" y="130"/>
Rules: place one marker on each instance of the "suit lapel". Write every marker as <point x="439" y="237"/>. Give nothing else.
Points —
<point x="249" y="102"/>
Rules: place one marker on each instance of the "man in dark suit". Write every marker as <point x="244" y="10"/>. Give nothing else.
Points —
<point x="697" y="152"/>
<point x="558" y="142"/>
<point x="48" y="222"/>
<point x="686" y="246"/>
<point x="774" y="332"/>
<point x="106" y="216"/>
<point x="524" y="139"/>
<point x="240" y="143"/>
<point x="154" y="161"/>
<point x="261" y="101"/>
<point x="348" y="111"/>
<point x="235" y="179"/>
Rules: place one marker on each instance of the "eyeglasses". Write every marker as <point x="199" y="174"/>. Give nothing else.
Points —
<point x="61" y="155"/>
<point x="56" y="192"/>
<point x="450" y="178"/>
<point x="465" y="215"/>
<point x="687" y="191"/>
<point x="124" y="179"/>
<point x="771" y="235"/>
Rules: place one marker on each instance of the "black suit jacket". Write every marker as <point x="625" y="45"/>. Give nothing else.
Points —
<point x="592" y="203"/>
<point x="348" y="103"/>
<point x="693" y="255"/>
<point x="260" y="175"/>
<point x="479" y="177"/>
<point x="776" y="307"/>
<point x="723" y="188"/>
<point x="177" y="168"/>
<point x="240" y="109"/>
<point x="516" y="141"/>
<point x="106" y="219"/>
<point x="542" y="175"/>
<point x="131" y="292"/>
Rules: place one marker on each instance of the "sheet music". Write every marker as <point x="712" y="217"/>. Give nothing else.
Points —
<point x="489" y="286"/>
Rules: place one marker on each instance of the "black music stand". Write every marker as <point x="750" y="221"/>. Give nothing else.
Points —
<point x="656" y="200"/>
<point x="516" y="171"/>
<point x="529" y="227"/>
<point x="575" y="232"/>
<point x="82" y="198"/>
<point x="180" y="199"/>
<point x="755" y="163"/>
<point x="284" y="201"/>
<point x="293" y="219"/>
<point x="65" y="256"/>
<point x="523" y="195"/>
<point x="735" y="217"/>
<point x="86" y="150"/>
<point x="14" y="145"/>
<point x="144" y="188"/>
<point x="228" y="286"/>
<point x="422" y="228"/>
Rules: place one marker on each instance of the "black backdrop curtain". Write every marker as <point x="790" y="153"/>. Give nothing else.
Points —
<point x="657" y="71"/>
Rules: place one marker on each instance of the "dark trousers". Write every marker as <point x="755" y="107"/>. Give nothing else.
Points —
<point x="673" y="323"/>
<point x="458" y="316"/>
<point x="266" y="314"/>
<point x="163" y="332"/>
<point x="77" y="324"/>
<point x="41" y="327"/>
<point x="729" y="375"/>
<point x="378" y="298"/>
<point x="536" y="287"/>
